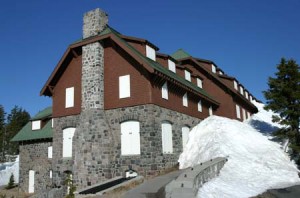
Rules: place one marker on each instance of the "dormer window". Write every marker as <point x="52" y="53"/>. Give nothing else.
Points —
<point x="221" y="73"/>
<point x="199" y="83"/>
<point x="241" y="90"/>
<point x="150" y="53"/>
<point x="36" y="124"/>
<point x="172" y="66"/>
<point x="250" y="98"/>
<point x="213" y="68"/>
<point x="246" y="95"/>
<point x="187" y="75"/>
<point x="235" y="85"/>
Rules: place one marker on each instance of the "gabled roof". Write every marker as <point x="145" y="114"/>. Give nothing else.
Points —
<point x="27" y="134"/>
<point x="180" y="54"/>
<point x="150" y="65"/>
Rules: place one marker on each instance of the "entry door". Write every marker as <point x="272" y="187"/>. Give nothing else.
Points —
<point x="130" y="138"/>
<point x="185" y="135"/>
<point x="31" y="181"/>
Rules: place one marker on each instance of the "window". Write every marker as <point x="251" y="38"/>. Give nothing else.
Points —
<point x="220" y="72"/>
<point x="31" y="181"/>
<point x="166" y="133"/>
<point x="124" y="86"/>
<point x="150" y="52"/>
<point x="68" y="134"/>
<point x="244" y="114"/>
<point x="172" y="66"/>
<point x="187" y="75"/>
<point x="52" y="123"/>
<point x="235" y="84"/>
<point x="250" y="98"/>
<point x="185" y="135"/>
<point x="241" y="90"/>
<point x="213" y="68"/>
<point x="185" y="100"/>
<point x="238" y="111"/>
<point x="50" y="174"/>
<point x="248" y="115"/>
<point x="199" y="82"/>
<point x="50" y="152"/>
<point x="69" y="97"/>
<point x="36" y="124"/>
<point x="210" y="111"/>
<point x="200" y="106"/>
<point x="164" y="91"/>
<point x="130" y="138"/>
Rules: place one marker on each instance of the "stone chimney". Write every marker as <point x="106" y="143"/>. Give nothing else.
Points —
<point x="94" y="22"/>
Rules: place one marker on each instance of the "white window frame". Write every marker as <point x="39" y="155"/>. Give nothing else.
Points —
<point x="167" y="139"/>
<point x="36" y="125"/>
<point x="130" y="138"/>
<point x="52" y="123"/>
<point x="68" y="134"/>
<point x="187" y="75"/>
<point x="235" y="84"/>
<point x="238" y="111"/>
<point x="50" y="151"/>
<point x="200" y="106"/>
<point x="172" y="66"/>
<point x="50" y="174"/>
<point x="210" y="111"/>
<point x="69" y="100"/>
<point x="124" y="86"/>
<point x="213" y="68"/>
<point x="199" y="83"/>
<point x="164" y="91"/>
<point x="150" y="52"/>
<point x="185" y="100"/>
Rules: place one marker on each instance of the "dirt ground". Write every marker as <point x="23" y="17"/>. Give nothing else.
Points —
<point x="12" y="193"/>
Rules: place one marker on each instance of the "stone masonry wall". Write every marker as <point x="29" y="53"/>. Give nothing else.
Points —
<point x="93" y="22"/>
<point x="34" y="156"/>
<point x="151" y="161"/>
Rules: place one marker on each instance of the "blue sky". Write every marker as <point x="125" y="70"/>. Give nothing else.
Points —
<point x="245" y="38"/>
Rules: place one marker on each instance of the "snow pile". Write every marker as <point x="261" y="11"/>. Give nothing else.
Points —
<point x="262" y="121"/>
<point x="254" y="165"/>
<point x="8" y="168"/>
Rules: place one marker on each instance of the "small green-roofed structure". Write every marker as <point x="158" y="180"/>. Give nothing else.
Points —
<point x="27" y="134"/>
<point x="180" y="54"/>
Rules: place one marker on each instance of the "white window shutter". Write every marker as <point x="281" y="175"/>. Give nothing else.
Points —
<point x="185" y="100"/>
<point x="238" y="111"/>
<point x="36" y="124"/>
<point x="69" y="97"/>
<point x="187" y="75"/>
<point x="185" y="135"/>
<point x="164" y="91"/>
<point x="68" y="134"/>
<point x="167" y="140"/>
<point x="150" y="53"/>
<point x="172" y="66"/>
<point x="50" y="152"/>
<point x="199" y="83"/>
<point x="130" y="138"/>
<point x="200" y="106"/>
<point x="124" y="86"/>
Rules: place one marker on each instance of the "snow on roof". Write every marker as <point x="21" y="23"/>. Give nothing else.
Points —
<point x="254" y="165"/>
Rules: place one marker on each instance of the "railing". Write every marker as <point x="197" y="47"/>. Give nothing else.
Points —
<point x="189" y="182"/>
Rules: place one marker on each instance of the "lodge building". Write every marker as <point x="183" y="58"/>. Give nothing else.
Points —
<point x="118" y="103"/>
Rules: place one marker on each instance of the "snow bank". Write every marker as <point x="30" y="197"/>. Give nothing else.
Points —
<point x="8" y="168"/>
<point x="254" y="165"/>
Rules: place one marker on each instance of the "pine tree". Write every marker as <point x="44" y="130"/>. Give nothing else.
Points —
<point x="11" y="183"/>
<point x="2" y="133"/>
<point x="283" y="97"/>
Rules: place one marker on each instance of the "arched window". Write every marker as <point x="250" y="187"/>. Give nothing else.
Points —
<point x="68" y="134"/>
<point x="166" y="134"/>
<point x="130" y="138"/>
<point x="185" y="135"/>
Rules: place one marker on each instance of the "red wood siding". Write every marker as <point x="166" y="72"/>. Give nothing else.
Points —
<point x="70" y="78"/>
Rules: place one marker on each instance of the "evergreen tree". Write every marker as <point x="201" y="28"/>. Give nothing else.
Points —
<point x="283" y="97"/>
<point x="2" y="132"/>
<point x="11" y="183"/>
<point x="15" y="121"/>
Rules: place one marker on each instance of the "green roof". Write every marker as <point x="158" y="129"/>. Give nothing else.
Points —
<point x="43" y="114"/>
<point x="180" y="54"/>
<point x="26" y="133"/>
